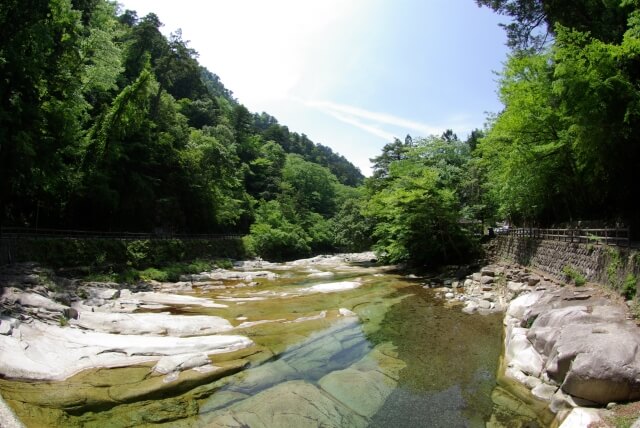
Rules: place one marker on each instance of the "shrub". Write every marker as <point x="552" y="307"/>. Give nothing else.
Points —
<point x="284" y="243"/>
<point x="572" y="274"/>
<point x="629" y="289"/>
<point x="153" y="274"/>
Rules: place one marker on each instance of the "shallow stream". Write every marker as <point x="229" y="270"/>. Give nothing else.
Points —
<point x="335" y="344"/>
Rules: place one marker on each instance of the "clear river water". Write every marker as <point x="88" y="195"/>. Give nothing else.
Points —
<point x="335" y="344"/>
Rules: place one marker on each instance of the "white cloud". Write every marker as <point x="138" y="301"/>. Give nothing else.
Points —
<point x="388" y="126"/>
<point x="346" y="111"/>
<point x="373" y="130"/>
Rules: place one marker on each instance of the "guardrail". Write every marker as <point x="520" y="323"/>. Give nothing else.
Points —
<point x="608" y="236"/>
<point x="20" y="232"/>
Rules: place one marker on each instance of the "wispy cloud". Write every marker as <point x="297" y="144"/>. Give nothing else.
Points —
<point x="373" y="122"/>
<point x="371" y="129"/>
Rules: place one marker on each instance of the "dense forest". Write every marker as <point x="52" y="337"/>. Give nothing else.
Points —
<point x="567" y="144"/>
<point x="107" y="124"/>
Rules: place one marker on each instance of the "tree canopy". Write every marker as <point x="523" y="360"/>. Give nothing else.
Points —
<point x="566" y="144"/>
<point x="105" y="123"/>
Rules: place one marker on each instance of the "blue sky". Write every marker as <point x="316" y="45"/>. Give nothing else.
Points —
<point x="350" y="74"/>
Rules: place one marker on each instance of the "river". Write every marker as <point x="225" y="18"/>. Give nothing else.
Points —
<point x="334" y="344"/>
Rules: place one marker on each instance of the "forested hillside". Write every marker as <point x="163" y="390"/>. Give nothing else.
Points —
<point x="106" y="124"/>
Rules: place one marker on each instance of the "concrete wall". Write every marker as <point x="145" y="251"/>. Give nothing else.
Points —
<point x="598" y="263"/>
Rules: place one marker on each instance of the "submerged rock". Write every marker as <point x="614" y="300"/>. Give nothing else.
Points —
<point x="290" y="404"/>
<point x="365" y="386"/>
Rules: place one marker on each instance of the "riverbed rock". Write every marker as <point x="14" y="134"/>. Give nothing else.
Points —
<point x="175" y="363"/>
<point x="485" y="280"/>
<point x="521" y="354"/>
<point x="104" y="293"/>
<point x="7" y="324"/>
<point x="515" y="287"/>
<point x="484" y="304"/>
<point x="24" y="298"/>
<point x="364" y="392"/>
<point x="521" y="304"/>
<point x="290" y="404"/>
<point x="321" y="275"/>
<point x="471" y="307"/>
<point x="581" y="417"/>
<point x="346" y="312"/>
<point x="544" y="391"/>
<point x="223" y="274"/>
<point x="56" y="353"/>
<point x="488" y="271"/>
<point x="533" y="280"/>
<point x="331" y="287"/>
<point x="152" y="324"/>
<point x="146" y="297"/>
<point x="365" y="386"/>
<point x="599" y="364"/>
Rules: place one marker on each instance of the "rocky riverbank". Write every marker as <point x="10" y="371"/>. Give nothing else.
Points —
<point x="572" y="353"/>
<point x="218" y="346"/>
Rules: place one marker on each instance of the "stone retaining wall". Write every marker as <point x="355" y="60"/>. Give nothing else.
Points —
<point x="597" y="263"/>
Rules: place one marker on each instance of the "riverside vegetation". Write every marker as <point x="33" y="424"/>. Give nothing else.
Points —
<point x="109" y="125"/>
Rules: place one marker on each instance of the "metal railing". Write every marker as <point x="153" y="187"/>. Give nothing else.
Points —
<point x="30" y="233"/>
<point x="608" y="236"/>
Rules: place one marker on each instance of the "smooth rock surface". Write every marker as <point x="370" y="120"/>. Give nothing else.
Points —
<point x="331" y="287"/>
<point x="290" y="404"/>
<point x="581" y="418"/>
<point x="24" y="298"/>
<point x="152" y="324"/>
<point x="148" y="297"/>
<point x="56" y="353"/>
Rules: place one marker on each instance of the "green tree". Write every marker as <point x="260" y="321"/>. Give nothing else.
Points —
<point x="534" y="21"/>
<point x="564" y="146"/>
<point x="416" y="208"/>
<point x="310" y="186"/>
<point x="275" y="237"/>
<point x="41" y="108"/>
<point x="352" y="230"/>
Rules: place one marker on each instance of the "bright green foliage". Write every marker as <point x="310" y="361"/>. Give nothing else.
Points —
<point x="310" y="186"/>
<point x="298" y="221"/>
<point x="630" y="286"/>
<point x="565" y="145"/>
<point x="417" y="209"/>
<point x="572" y="274"/>
<point x="352" y="229"/>
<point x="41" y="107"/>
<point x="533" y="20"/>
<point x="275" y="237"/>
